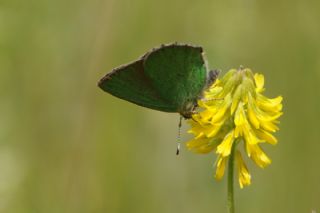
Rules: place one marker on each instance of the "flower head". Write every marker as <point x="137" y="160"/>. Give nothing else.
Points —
<point x="235" y="111"/>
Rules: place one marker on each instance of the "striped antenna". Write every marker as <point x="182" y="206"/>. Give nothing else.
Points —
<point x="179" y="136"/>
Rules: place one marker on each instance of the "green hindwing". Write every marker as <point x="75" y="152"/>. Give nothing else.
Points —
<point x="177" y="72"/>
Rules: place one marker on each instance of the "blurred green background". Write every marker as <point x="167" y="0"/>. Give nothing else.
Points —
<point x="65" y="146"/>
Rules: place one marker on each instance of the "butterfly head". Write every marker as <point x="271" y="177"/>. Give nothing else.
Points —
<point x="190" y="106"/>
<point x="189" y="109"/>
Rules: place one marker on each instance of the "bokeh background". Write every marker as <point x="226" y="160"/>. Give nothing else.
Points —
<point x="65" y="146"/>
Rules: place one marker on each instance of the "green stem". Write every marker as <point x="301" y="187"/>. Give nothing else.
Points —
<point x="230" y="180"/>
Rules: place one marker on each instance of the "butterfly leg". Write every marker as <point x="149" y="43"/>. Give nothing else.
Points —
<point x="212" y="99"/>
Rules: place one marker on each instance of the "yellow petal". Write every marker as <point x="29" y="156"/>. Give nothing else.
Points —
<point x="213" y="92"/>
<point x="248" y="89"/>
<point x="268" y="117"/>
<point x="258" y="115"/>
<point x="259" y="157"/>
<point x="228" y="75"/>
<point x="243" y="173"/>
<point x="205" y="115"/>
<point x="213" y="129"/>
<point x="222" y="110"/>
<point x="224" y="148"/>
<point x="194" y="143"/>
<point x="249" y="135"/>
<point x="267" y="104"/>
<point x="240" y="117"/>
<point x="196" y="128"/>
<point x="259" y="80"/>
<point x="221" y="165"/>
<point x="266" y="136"/>
<point x="238" y="131"/>
<point x="243" y="128"/>
<point x="269" y="126"/>
<point x="204" y="149"/>
<point x="236" y="98"/>
<point x="252" y="116"/>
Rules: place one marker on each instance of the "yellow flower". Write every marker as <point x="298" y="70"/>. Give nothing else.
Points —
<point x="236" y="111"/>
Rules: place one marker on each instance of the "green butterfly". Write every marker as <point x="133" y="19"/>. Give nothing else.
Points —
<point x="170" y="78"/>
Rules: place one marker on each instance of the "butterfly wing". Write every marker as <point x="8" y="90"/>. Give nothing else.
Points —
<point x="178" y="73"/>
<point x="130" y="83"/>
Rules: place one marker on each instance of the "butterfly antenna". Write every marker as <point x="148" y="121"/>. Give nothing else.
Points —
<point x="179" y="136"/>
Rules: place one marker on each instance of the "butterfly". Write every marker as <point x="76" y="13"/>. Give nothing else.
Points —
<point x="170" y="78"/>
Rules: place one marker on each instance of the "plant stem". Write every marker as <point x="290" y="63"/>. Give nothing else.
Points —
<point x="230" y="180"/>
